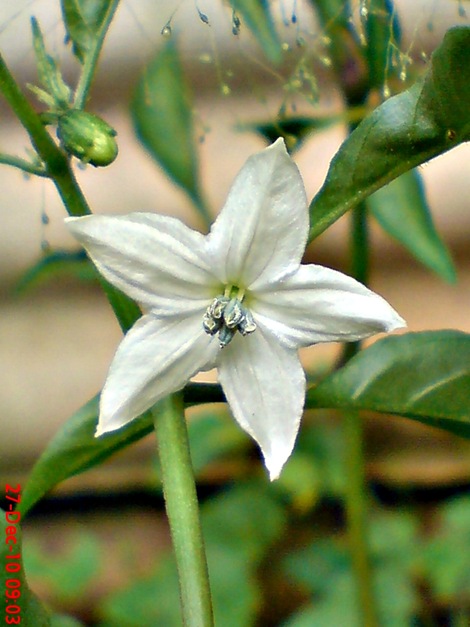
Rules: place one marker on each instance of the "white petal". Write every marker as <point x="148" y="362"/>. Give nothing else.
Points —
<point x="265" y="386"/>
<point x="155" y="358"/>
<point x="261" y="232"/>
<point x="156" y="260"/>
<point x="318" y="304"/>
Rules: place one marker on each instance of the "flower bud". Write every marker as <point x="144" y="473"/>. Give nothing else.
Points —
<point x="87" y="137"/>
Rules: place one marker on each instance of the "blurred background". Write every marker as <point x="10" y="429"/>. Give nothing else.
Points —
<point x="58" y="334"/>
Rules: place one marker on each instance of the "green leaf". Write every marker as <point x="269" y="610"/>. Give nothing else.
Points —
<point x="239" y="526"/>
<point x="73" y="572"/>
<point x="83" y="20"/>
<point x="161" y="110"/>
<point x="32" y="611"/>
<point x="74" y="447"/>
<point x="57" y="264"/>
<point x="423" y="376"/>
<point x="257" y="16"/>
<point x="246" y="519"/>
<point x="48" y="73"/>
<point x="401" y="210"/>
<point x="424" y="121"/>
<point x="444" y="557"/>
<point x="153" y="600"/>
<point x="323" y="568"/>
<point x="214" y="437"/>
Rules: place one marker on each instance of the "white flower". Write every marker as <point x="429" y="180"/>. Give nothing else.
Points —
<point x="236" y="298"/>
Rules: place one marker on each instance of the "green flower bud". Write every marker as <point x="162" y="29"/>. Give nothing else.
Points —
<point x="87" y="137"/>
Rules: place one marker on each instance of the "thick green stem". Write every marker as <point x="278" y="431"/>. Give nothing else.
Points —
<point x="89" y="67"/>
<point x="182" y="509"/>
<point x="356" y="492"/>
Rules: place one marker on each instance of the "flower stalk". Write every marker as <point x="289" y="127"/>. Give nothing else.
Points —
<point x="182" y="510"/>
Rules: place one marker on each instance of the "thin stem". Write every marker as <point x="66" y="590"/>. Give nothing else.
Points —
<point x="24" y="165"/>
<point x="356" y="508"/>
<point x="91" y="60"/>
<point x="182" y="509"/>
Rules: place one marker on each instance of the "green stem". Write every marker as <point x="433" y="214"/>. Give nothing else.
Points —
<point x="360" y="244"/>
<point x="40" y="138"/>
<point x="91" y="60"/>
<point x="182" y="509"/>
<point x="22" y="164"/>
<point x="356" y="491"/>
<point x="356" y="508"/>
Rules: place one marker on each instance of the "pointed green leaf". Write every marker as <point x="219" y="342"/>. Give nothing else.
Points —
<point x="83" y="20"/>
<point x="424" y="121"/>
<point x="401" y="210"/>
<point x="423" y="376"/>
<point x="74" y="447"/>
<point x="257" y="16"/>
<point x="48" y="71"/>
<point x="75" y="573"/>
<point x="31" y="611"/>
<point x="162" y="115"/>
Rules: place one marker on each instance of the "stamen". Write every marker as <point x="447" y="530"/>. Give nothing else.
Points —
<point x="247" y="325"/>
<point x="210" y="324"/>
<point x="233" y="313"/>
<point x="226" y="314"/>
<point x="217" y="307"/>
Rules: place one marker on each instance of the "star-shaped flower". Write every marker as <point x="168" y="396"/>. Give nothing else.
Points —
<point x="237" y="298"/>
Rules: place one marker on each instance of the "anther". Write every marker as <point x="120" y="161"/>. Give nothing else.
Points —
<point x="211" y="325"/>
<point x="233" y="313"/>
<point x="247" y="325"/>
<point x="226" y="316"/>
<point x="217" y="307"/>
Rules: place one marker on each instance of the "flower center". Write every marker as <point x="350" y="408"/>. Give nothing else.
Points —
<point x="226" y="315"/>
